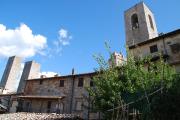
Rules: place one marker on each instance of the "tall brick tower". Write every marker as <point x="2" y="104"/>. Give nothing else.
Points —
<point x="140" y="24"/>
<point x="116" y="59"/>
<point x="11" y="74"/>
<point x="31" y="70"/>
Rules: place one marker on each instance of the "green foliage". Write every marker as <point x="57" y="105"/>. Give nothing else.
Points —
<point x="117" y="86"/>
<point x="166" y="106"/>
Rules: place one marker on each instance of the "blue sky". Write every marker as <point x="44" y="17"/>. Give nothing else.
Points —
<point x="74" y="30"/>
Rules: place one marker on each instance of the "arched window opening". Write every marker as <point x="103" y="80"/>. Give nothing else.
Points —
<point x="134" y="21"/>
<point x="151" y="22"/>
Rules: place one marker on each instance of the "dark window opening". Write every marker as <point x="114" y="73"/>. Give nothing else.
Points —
<point x="151" y="22"/>
<point x="27" y="106"/>
<point x="80" y="82"/>
<point x="91" y="83"/>
<point x="175" y="48"/>
<point x="49" y="106"/>
<point x="61" y="84"/>
<point x="168" y="42"/>
<point x="153" y="48"/>
<point x="20" y="106"/>
<point x="134" y="21"/>
<point x="41" y="82"/>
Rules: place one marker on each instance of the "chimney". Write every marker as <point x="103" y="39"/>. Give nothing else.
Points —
<point x="73" y="71"/>
<point x="43" y="76"/>
<point x="56" y="75"/>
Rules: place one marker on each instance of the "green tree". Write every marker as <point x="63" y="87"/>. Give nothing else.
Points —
<point x="132" y="83"/>
<point x="165" y="106"/>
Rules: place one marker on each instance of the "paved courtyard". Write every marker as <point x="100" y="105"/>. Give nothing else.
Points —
<point x="38" y="116"/>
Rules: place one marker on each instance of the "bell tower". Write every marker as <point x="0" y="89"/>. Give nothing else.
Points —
<point x="139" y="24"/>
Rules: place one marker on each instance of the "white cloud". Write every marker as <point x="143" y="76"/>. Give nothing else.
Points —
<point x="20" y="41"/>
<point x="64" y="37"/>
<point x="48" y="74"/>
<point x="63" y="40"/>
<point x="63" y="33"/>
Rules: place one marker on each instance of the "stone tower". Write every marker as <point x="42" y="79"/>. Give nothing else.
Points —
<point x="31" y="70"/>
<point x="11" y="74"/>
<point x="116" y="59"/>
<point x="139" y="24"/>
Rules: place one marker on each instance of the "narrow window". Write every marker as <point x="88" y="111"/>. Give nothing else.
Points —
<point x="28" y="106"/>
<point x="91" y="83"/>
<point x="41" y="82"/>
<point x="134" y="21"/>
<point x="175" y="48"/>
<point x="151" y="22"/>
<point x="61" y="84"/>
<point x="80" y="82"/>
<point x="49" y="106"/>
<point x="153" y="48"/>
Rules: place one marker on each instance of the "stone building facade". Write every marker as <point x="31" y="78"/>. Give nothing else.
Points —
<point x="143" y="40"/>
<point x="31" y="70"/>
<point x="11" y="75"/>
<point x="62" y="94"/>
<point x="117" y="59"/>
<point x="68" y="94"/>
<point x="168" y="45"/>
<point x="9" y="81"/>
<point x="140" y="24"/>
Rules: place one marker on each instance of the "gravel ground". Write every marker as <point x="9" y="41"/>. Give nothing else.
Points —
<point x="38" y="116"/>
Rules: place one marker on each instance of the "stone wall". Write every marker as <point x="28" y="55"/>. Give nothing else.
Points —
<point x="31" y="70"/>
<point x="165" y="46"/>
<point x="74" y="100"/>
<point x="144" y="30"/>
<point x="11" y="75"/>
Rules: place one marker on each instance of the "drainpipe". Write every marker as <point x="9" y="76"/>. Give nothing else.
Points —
<point x="72" y="91"/>
<point x="165" y="49"/>
<point x="163" y="65"/>
<point x="88" y="105"/>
